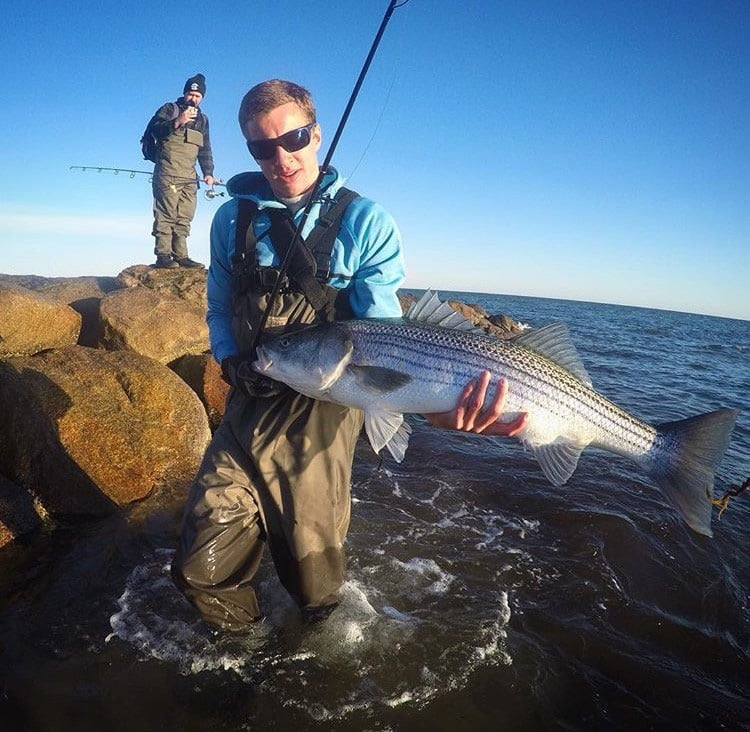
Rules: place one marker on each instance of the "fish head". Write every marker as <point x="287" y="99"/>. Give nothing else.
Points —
<point x="309" y="360"/>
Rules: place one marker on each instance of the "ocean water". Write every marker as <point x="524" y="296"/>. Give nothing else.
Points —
<point x="478" y="596"/>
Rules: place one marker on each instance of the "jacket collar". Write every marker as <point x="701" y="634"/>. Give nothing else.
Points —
<point x="254" y="186"/>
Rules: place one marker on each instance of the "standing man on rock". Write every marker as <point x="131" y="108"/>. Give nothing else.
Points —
<point x="278" y="469"/>
<point x="180" y="132"/>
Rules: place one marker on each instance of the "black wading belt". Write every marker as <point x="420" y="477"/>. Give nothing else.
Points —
<point x="310" y="266"/>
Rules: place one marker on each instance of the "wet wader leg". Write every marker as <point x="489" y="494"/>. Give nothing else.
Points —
<point x="185" y="210"/>
<point x="221" y="544"/>
<point x="166" y="198"/>
<point x="303" y="449"/>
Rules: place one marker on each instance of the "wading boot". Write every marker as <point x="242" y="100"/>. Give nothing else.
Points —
<point x="187" y="262"/>
<point x="165" y="261"/>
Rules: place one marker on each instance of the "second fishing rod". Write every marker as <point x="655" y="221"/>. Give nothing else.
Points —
<point x="297" y="237"/>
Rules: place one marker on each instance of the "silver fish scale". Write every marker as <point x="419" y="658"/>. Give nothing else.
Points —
<point x="443" y="357"/>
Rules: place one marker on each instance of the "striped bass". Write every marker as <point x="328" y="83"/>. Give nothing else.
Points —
<point x="420" y="363"/>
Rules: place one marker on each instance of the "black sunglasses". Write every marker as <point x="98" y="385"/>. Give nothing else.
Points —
<point x="291" y="142"/>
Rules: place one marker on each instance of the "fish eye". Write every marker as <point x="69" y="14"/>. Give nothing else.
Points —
<point x="285" y="341"/>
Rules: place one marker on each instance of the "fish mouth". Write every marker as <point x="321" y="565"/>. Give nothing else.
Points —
<point x="264" y="361"/>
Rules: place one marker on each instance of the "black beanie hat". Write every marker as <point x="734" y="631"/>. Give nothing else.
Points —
<point x="196" y="83"/>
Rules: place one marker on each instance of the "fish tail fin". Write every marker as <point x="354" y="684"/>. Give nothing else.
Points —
<point x="684" y="459"/>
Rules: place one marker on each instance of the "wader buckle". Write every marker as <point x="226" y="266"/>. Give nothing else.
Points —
<point x="266" y="278"/>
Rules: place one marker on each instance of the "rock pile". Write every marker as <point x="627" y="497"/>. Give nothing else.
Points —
<point x="91" y="416"/>
<point x="108" y="391"/>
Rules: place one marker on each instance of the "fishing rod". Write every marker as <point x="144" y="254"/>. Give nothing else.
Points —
<point x="209" y="193"/>
<point x="393" y="5"/>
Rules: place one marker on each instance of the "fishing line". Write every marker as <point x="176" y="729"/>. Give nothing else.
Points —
<point x="393" y="5"/>
<point x="398" y="64"/>
<point x="377" y="125"/>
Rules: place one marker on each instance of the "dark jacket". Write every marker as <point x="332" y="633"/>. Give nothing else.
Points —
<point x="163" y="128"/>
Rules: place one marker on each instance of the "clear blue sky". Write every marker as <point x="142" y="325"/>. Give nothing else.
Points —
<point x="591" y="150"/>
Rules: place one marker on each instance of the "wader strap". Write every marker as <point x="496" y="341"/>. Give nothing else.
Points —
<point x="244" y="259"/>
<point x="322" y="238"/>
<point x="302" y="267"/>
<point x="310" y="267"/>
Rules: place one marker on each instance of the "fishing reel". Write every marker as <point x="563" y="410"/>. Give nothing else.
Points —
<point x="210" y="193"/>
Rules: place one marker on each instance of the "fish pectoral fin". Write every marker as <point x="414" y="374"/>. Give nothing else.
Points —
<point x="388" y="429"/>
<point x="558" y="459"/>
<point x="378" y="379"/>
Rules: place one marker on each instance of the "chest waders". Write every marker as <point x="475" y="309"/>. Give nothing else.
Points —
<point x="278" y="469"/>
<point x="175" y="194"/>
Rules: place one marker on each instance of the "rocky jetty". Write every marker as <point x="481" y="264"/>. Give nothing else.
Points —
<point x="108" y="392"/>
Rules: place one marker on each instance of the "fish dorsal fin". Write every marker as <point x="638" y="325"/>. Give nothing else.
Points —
<point x="553" y="342"/>
<point x="430" y="309"/>
<point x="387" y="429"/>
<point x="558" y="460"/>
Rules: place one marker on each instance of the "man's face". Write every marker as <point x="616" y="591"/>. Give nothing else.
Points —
<point x="193" y="97"/>
<point x="289" y="174"/>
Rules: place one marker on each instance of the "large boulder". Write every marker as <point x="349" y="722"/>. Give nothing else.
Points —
<point x="203" y="375"/>
<point x="498" y="325"/>
<point x="17" y="513"/>
<point x="85" y="430"/>
<point x="184" y="283"/>
<point x="83" y="294"/>
<point x="31" y="322"/>
<point x="153" y="324"/>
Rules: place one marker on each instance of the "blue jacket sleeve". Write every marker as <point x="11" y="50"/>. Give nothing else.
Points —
<point x="219" y="285"/>
<point x="380" y="270"/>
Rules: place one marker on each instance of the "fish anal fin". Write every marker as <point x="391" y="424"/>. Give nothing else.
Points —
<point x="378" y="379"/>
<point x="558" y="459"/>
<point x="553" y="342"/>
<point x="384" y="428"/>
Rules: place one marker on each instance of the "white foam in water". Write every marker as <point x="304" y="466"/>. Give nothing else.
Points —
<point x="429" y="570"/>
<point x="495" y="635"/>
<point x="157" y="620"/>
<point x="399" y="635"/>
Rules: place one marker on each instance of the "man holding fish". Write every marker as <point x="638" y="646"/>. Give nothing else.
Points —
<point x="278" y="469"/>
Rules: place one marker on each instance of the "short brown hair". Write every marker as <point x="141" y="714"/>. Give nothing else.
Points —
<point x="268" y="95"/>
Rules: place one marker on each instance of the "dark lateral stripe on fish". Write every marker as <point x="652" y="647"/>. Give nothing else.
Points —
<point x="541" y="377"/>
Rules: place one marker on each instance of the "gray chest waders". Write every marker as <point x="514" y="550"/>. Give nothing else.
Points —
<point x="175" y="193"/>
<point x="278" y="469"/>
